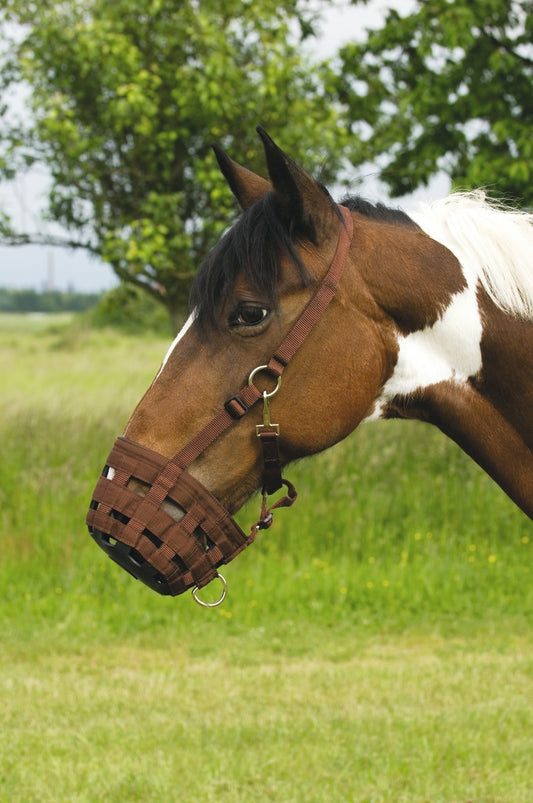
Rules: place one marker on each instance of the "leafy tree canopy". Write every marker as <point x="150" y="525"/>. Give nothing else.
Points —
<point x="448" y="87"/>
<point x="126" y="97"/>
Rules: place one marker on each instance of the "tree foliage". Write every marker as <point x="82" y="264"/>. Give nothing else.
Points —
<point x="126" y="97"/>
<point x="448" y="87"/>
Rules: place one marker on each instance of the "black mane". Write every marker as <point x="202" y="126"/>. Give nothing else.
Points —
<point x="251" y="248"/>
<point x="378" y="211"/>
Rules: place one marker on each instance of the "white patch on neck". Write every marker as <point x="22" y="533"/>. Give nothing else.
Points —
<point x="491" y="241"/>
<point x="186" y="326"/>
<point x="448" y="350"/>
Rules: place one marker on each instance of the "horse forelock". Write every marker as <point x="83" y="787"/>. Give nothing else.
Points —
<point x="251" y="249"/>
<point x="493" y="243"/>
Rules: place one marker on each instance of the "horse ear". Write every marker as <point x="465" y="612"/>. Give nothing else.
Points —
<point x="246" y="186"/>
<point x="301" y="200"/>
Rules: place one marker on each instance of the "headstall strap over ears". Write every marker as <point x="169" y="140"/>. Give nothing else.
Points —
<point x="156" y="520"/>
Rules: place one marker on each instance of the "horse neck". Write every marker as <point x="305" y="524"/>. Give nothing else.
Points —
<point x="506" y="378"/>
<point x="461" y="362"/>
<point x="411" y="277"/>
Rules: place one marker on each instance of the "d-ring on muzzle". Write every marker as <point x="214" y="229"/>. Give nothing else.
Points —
<point x="162" y="525"/>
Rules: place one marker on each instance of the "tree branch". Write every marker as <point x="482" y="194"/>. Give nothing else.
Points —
<point x="18" y="239"/>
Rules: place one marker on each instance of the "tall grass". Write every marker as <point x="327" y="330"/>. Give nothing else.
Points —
<point x="395" y="527"/>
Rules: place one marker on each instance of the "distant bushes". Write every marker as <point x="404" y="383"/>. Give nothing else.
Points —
<point x="132" y="310"/>
<point x="46" y="301"/>
<point x="125" y="307"/>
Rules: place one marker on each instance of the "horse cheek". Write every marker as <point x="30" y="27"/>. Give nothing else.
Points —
<point x="334" y="400"/>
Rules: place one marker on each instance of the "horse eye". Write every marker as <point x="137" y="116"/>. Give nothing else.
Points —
<point x="248" y="315"/>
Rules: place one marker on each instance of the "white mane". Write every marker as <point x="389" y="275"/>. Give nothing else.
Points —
<point x="493" y="243"/>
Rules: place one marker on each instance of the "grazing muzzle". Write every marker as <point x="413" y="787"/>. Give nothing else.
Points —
<point x="162" y="525"/>
<point x="141" y="532"/>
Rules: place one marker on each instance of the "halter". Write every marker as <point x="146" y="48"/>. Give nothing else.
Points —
<point x="177" y="535"/>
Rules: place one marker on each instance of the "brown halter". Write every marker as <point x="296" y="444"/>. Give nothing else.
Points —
<point x="141" y="536"/>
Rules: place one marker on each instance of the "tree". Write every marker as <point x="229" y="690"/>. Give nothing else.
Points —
<point x="126" y="97"/>
<point x="448" y="87"/>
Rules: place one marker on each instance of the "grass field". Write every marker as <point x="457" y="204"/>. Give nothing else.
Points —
<point x="376" y="643"/>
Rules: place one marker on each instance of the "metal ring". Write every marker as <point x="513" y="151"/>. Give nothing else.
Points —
<point x="212" y="604"/>
<point x="257" y="371"/>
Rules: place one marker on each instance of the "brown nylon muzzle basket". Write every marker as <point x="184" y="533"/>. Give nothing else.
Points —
<point x="140" y="532"/>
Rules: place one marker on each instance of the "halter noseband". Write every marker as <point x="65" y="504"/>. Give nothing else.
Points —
<point x="177" y="534"/>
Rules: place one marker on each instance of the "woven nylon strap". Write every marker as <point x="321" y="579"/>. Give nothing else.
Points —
<point x="314" y="310"/>
<point x="167" y="556"/>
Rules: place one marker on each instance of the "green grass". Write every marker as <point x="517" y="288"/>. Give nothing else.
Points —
<point x="410" y="720"/>
<point x="376" y="643"/>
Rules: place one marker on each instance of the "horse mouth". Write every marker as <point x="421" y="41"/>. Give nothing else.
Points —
<point x="168" y="531"/>
<point x="127" y="557"/>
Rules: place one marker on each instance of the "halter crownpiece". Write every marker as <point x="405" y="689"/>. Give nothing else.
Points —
<point x="153" y="518"/>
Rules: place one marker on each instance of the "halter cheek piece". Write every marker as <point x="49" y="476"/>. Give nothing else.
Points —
<point x="177" y="534"/>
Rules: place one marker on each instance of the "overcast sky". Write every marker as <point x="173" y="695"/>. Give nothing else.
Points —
<point x="39" y="267"/>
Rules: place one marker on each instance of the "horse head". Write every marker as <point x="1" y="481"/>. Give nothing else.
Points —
<point x="247" y="296"/>
<point x="306" y="319"/>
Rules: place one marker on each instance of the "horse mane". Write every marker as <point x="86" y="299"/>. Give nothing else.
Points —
<point x="493" y="243"/>
<point x="251" y="248"/>
<point x="377" y="211"/>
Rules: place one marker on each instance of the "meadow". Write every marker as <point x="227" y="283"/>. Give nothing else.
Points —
<point x="376" y="644"/>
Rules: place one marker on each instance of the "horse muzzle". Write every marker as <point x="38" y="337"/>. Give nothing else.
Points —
<point x="159" y="523"/>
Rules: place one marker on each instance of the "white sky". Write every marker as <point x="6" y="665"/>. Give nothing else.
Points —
<point x="38" y="266"/>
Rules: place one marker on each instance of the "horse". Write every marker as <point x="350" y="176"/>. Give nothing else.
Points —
<point x="307" y="319"/>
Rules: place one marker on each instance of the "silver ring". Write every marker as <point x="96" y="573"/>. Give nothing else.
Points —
<point x="257" y="371"/>
<point x="212" y="604"/>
